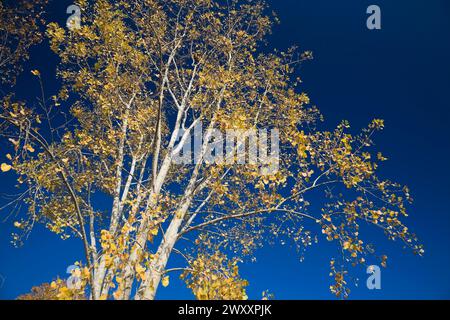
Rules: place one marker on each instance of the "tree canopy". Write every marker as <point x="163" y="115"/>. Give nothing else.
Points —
<point x="137" y="78"/>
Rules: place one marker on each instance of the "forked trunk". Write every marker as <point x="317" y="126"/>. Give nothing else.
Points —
<point x="147" y="290"/>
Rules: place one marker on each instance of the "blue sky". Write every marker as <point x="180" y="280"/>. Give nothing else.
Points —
<point x="400" y="73"/>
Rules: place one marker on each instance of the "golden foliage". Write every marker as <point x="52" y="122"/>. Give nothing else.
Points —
<point x="214" y="277"/>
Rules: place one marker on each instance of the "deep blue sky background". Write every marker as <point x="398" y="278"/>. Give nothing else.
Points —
<point x="400" y="73"/>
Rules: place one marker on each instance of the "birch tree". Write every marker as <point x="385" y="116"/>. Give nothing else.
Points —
<point x="137" y="78"/>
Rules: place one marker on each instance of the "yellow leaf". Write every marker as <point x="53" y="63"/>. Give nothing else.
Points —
<point x="5" y="167"/>
<point x="29" y="148"/>
<point x="86" y="273"/>
<point x="346" y="245"/>
<point x="35" y="73"/>
<point x="139" y="268"/>
<point x="165" y="281"/>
